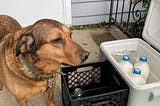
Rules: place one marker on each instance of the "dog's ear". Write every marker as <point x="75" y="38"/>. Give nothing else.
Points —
<point x="26" y="43"/>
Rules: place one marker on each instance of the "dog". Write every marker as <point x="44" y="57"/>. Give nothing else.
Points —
<point x="30" y="58"/>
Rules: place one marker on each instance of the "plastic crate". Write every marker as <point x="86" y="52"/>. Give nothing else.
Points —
<point x="99" y="83"/>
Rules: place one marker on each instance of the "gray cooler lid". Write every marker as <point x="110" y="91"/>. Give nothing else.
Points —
<point x="151" y="31"/>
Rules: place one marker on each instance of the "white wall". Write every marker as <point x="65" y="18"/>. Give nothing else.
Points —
<point x="89" y="11"/>
<point x="95" y="11"/>
<point x="29" y="11"/>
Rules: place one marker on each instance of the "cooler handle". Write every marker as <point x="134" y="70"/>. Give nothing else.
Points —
<point x="155" y="94"/>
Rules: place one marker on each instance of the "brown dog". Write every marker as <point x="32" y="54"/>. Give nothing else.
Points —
<point x="31" y="56"/>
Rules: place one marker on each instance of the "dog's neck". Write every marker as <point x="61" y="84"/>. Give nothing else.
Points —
<point x="38" y="68"/>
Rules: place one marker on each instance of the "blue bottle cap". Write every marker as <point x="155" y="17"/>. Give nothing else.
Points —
<point x="143" y="58"/>
<point x="137" y="71"/>
<point x="126" y="58"/>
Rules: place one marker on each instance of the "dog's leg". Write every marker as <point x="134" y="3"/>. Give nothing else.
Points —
<point x="1" y="85"/>
<point x="51" y="97"/>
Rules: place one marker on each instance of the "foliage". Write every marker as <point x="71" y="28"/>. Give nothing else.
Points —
<point x="89" y="26"/>
<point x="80" y="27"/>
<point x="136" y="29"/>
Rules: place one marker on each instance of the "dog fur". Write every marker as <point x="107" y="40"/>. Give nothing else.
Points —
<point x="8" y="25"/>
<point x="45" y="45"/>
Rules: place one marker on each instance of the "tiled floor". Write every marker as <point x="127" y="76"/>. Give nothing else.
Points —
<point x="89" y="39"/>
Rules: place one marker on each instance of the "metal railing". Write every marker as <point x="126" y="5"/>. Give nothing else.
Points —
<point x="126" y="13"/>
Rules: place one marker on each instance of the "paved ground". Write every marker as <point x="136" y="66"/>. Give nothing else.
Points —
<point x="89" y="39"/>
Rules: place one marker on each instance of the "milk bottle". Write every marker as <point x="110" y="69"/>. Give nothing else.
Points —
<point x="143" y="66"/>
<point x="136" y="77"/>
<point x="125" y="65"/>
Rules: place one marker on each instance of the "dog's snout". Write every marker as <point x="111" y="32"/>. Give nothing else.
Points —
<point x="84" y="55"/>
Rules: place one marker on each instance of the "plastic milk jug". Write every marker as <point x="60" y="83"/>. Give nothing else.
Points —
<point x="125" y="65"/>
<point x="143" y="66"/>
<point x="136" y="77"/>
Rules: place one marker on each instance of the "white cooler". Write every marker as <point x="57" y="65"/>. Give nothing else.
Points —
<point x="148" y="94"/>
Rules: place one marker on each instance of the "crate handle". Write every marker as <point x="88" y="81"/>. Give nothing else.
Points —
<point x="84" y="69"/>
<point x="155" y="94"/>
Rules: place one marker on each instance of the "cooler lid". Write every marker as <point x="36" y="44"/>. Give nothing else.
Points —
<point x="151" y="31"/>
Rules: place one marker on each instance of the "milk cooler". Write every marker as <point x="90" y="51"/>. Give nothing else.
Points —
<point x="148" y="94"/>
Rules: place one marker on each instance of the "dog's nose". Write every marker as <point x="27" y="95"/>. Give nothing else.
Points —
<point x="84" y="55"/>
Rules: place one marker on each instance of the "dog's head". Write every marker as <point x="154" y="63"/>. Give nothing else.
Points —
<point x="51" y="40"/>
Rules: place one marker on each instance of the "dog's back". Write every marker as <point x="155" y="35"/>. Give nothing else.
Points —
<point x="8" y="25"/>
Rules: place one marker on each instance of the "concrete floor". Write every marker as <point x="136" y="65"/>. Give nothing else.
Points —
<point x="89" y="39"/>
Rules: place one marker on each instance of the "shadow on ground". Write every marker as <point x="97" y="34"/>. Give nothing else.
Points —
<point x="101" y="37"/>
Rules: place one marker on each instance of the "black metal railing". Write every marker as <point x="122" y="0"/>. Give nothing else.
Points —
<point x="129" y="15"/>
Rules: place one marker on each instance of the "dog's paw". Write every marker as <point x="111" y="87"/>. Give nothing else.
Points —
<point x="51" y="105"/>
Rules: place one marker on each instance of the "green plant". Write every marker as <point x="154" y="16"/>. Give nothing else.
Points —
<point x="89" y="26"/>
<point x="80" y="27"/>
<point x="136" y="29"/>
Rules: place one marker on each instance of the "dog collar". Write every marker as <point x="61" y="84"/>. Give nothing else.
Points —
<point x="36" y="72"/>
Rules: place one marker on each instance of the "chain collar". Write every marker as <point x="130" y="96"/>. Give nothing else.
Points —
<point x="36" y="72"/>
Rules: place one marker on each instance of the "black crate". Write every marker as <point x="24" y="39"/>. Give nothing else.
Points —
<point x="99" y="83"/>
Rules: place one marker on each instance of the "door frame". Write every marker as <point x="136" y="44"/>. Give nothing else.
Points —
<point x="67" y="12"/>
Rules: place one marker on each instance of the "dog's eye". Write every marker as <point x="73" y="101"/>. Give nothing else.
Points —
<point x="58" y="40"/>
